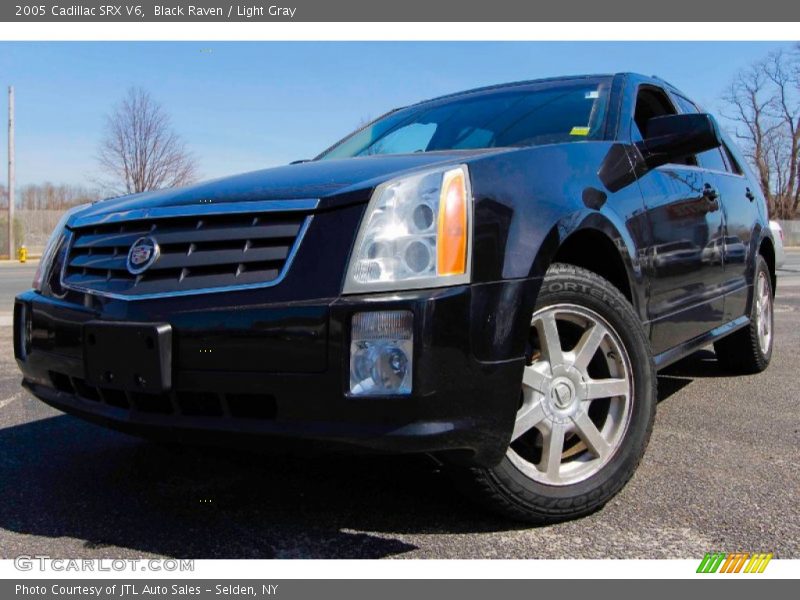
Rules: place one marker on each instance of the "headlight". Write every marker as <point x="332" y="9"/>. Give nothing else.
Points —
<point x="51" y="247"/>
<point x="416" y="233"/>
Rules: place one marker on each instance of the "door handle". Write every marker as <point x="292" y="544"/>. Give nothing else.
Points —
<point x="750" y="195"/>
<point x="709" y="192"/>
<point x="710" y="195"/>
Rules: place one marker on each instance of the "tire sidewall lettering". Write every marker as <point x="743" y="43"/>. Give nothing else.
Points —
<point x="556" y="287"/>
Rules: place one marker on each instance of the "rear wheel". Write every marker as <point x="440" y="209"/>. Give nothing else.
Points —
<point x="749" y="349"/>
<point x="587" y="404"/>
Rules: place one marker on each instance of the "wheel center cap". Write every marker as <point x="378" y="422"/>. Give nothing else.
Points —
<point x="561" y="394"/>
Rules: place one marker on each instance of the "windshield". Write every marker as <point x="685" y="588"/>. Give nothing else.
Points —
<point x="526" y="115"/>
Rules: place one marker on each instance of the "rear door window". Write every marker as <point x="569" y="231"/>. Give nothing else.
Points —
<point x="733" y="164"/>
<point x="712" y="160"/>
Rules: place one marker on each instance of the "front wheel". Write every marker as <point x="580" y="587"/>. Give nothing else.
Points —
<point x="586" y="408"/>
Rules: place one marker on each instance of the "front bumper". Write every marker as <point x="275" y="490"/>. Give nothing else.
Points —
<point x="252" y="369"/>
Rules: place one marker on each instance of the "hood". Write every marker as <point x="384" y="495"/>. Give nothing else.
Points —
<point x="332" y="182"/>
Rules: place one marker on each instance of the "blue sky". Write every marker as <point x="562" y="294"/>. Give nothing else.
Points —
<point x="247" y="105"/>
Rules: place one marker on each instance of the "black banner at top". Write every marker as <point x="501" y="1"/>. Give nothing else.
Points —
<point x="407" y="10"/>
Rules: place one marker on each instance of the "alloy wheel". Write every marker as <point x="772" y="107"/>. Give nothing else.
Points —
<point x="575" y="404"/>
<point x="764" y="313"/>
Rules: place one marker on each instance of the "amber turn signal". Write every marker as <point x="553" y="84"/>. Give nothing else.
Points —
<point x="452" y="238"/>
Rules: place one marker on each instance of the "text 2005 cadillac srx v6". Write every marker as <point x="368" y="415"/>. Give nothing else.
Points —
<point x="492" y="277"/>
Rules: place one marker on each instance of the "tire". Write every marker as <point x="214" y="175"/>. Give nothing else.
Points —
<point x="749" y="349"/>
<point x="533" y="483"/>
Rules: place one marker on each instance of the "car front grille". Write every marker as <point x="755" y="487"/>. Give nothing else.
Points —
<point x="196" y="253"/>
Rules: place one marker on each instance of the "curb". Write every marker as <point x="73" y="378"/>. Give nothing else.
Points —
<point x="15" y="263"/>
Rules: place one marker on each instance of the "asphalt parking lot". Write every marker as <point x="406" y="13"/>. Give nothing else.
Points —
<point x="722" y="473"/>
<point x="14" y="278"/>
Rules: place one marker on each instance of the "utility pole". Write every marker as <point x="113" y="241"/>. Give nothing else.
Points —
<point x="11" y="175"/>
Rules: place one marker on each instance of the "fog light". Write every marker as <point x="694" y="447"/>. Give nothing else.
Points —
<point x="381" y="353"/>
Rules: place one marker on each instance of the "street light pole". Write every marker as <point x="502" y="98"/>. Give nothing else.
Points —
<point x="11" y="174"/>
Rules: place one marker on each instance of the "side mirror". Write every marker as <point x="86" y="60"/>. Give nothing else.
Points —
<point x="674" y="137"/>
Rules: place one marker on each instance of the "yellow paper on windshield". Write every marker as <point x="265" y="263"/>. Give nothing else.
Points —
<point x="579" y="131"/>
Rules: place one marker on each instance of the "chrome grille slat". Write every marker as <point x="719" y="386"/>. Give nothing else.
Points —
<point x="209" y="252"/>
<point x="103" y="240"/>
<point x="168" y="235"/>
<point x="115" y="263"/>
<point x="200" y="258"/>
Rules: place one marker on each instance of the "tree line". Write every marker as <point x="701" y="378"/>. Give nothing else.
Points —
<point x="49" y="196"/>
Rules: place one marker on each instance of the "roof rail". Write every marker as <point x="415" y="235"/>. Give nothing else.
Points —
<point x="665" y="82"/>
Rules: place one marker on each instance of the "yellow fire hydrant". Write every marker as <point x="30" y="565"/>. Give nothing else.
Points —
<point x="22" y="254"/>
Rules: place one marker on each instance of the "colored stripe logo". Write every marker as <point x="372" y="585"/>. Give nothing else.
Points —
<point x="737" y="562"/>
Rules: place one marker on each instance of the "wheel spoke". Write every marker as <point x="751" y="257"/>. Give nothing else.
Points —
<point x="535" y="377"/>
<point x="549" y="338"/>
<point x="587" y="346"/>
<point x="763" y="293"/>
<point x="528" y="417"/>
<point x="606" y="388"/>
<point x="552" y="449"/>
<point x="589" y="433"/>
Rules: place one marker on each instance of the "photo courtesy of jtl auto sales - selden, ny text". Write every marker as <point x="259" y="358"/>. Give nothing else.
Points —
<point x="419" y="300"/>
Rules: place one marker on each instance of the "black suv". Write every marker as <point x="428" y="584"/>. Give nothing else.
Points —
<point x="493" y="277"/>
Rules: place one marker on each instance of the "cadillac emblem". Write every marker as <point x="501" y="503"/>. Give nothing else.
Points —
<point x="143" y="253"/>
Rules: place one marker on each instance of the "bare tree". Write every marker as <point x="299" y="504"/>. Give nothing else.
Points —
<point x="763" y="102"/>
<point x="140" y="151"/>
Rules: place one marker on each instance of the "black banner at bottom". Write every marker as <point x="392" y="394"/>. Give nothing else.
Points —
<point x="382" y="589"/>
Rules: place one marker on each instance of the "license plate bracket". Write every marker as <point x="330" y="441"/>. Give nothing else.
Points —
<point x="128" y="356"/>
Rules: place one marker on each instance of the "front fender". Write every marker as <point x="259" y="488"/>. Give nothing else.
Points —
<point x="529" y="202"/>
